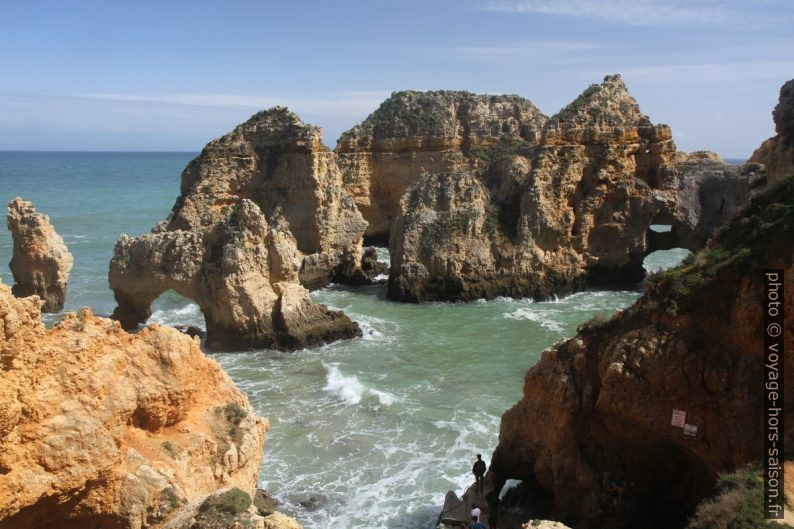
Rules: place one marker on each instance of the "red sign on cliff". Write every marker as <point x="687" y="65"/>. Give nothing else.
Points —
<point x="679" y="418"/>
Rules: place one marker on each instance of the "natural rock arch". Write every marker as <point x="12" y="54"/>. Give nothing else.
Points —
<point x="242" y="274"/>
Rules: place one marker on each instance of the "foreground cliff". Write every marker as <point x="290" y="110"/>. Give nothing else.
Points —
<point x="100" y="428"/>
<point x="597" y="407"/>
<point x="41" y="262"/>
<point x="262" y="214"/>
<point x="567" y="204"/>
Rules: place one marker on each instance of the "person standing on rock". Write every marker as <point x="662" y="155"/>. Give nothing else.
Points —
<point x="476" y="524"/>
<point x="479" y="471"/>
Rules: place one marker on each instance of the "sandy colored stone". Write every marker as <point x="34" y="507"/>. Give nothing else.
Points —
<point x="41" y="262"/>
<point x="597" y="407"/>
<point x="261" y="205"/>
<point x="243" y="274"/>
<point x="572" y="210"/>
<point x="280" y="164"/>
<point x="100" y="427"/>
<point x="416" y="132"/>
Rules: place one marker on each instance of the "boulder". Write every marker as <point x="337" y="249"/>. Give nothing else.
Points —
<point x="593" y="435"/>
<point x="41" y="262"/>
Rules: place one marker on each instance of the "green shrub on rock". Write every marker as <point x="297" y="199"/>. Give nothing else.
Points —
<point x="233" y="501"/>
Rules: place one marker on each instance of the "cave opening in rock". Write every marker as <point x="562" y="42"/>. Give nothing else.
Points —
<point x="178" y="311"/>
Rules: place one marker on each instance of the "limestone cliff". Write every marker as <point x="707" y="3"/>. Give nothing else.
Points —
<point x="41" y="262"/>
<point x="100" y="428"/>
<point x="280" y="164"/>
<point x="575" y="209"/>
<point x="242" y="274"/>
<point x="777" y="153"/>
<point x="415" y="132"/>
<point x="260" y="209"/>
<point x="597" y="407"/>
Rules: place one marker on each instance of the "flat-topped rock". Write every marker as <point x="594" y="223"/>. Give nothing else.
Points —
<point x="415" y="132"/>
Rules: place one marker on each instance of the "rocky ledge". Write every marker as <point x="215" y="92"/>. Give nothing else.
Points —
<point x="100" y="428"/>
<point x="592" y="438"/>
<point x="262" y="214"/>
<point x="569" y="206"/>
<point x="41" y="262"/>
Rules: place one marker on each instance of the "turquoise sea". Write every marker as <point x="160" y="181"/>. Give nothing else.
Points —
<point x="366" y="433"/>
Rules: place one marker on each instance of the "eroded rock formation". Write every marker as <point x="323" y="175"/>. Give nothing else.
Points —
<point x="777" y="153"/>
<point x="261" y="209"/>
<point x="416" y="132"/>
<point x="242" y="274"/>
<point x="573" y="209"/>
<point x="597" y="407"/>
<point x="41" y="262"/>
<point x="280" y="164"/>
<point x="100" y="428"/>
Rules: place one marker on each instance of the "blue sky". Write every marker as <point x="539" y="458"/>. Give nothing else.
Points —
<point x="172" y="75"/>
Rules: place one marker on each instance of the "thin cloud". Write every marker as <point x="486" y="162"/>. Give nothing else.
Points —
<point x="344" y="106"/>
<point x="555" y="51"/>
<point x="630" y="12"/>
<point x="523" y="49"/>
<point x="712" y="72"/>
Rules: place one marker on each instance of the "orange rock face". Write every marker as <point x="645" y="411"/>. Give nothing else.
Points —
<point x="41" y="262"/>
<point x="100" y="428"/>
<point x="597" y="408"/>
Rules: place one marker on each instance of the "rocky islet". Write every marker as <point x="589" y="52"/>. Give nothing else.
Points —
<point x="41" y="262"/>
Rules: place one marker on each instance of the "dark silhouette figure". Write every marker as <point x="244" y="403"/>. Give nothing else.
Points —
<point x="479" y="471"/>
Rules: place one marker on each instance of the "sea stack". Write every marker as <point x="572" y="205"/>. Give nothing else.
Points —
<point x="101" y="428"/>
<point x="553" y="210"/>
<point x="41" y="261"/>
<point x="262" y="216"/>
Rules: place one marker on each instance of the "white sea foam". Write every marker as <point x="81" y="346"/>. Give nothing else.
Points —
<point x="539" y="316"/>
<point x="189" y="314"/>
<point x="349" y="388"/>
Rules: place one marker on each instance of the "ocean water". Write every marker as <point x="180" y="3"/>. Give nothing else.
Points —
<point x="365" y="433"/>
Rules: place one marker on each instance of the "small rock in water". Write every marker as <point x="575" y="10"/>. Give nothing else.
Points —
<point x="310" y="504"/>
<point x="191" y="330"/>
<point x="265" y="503"/>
